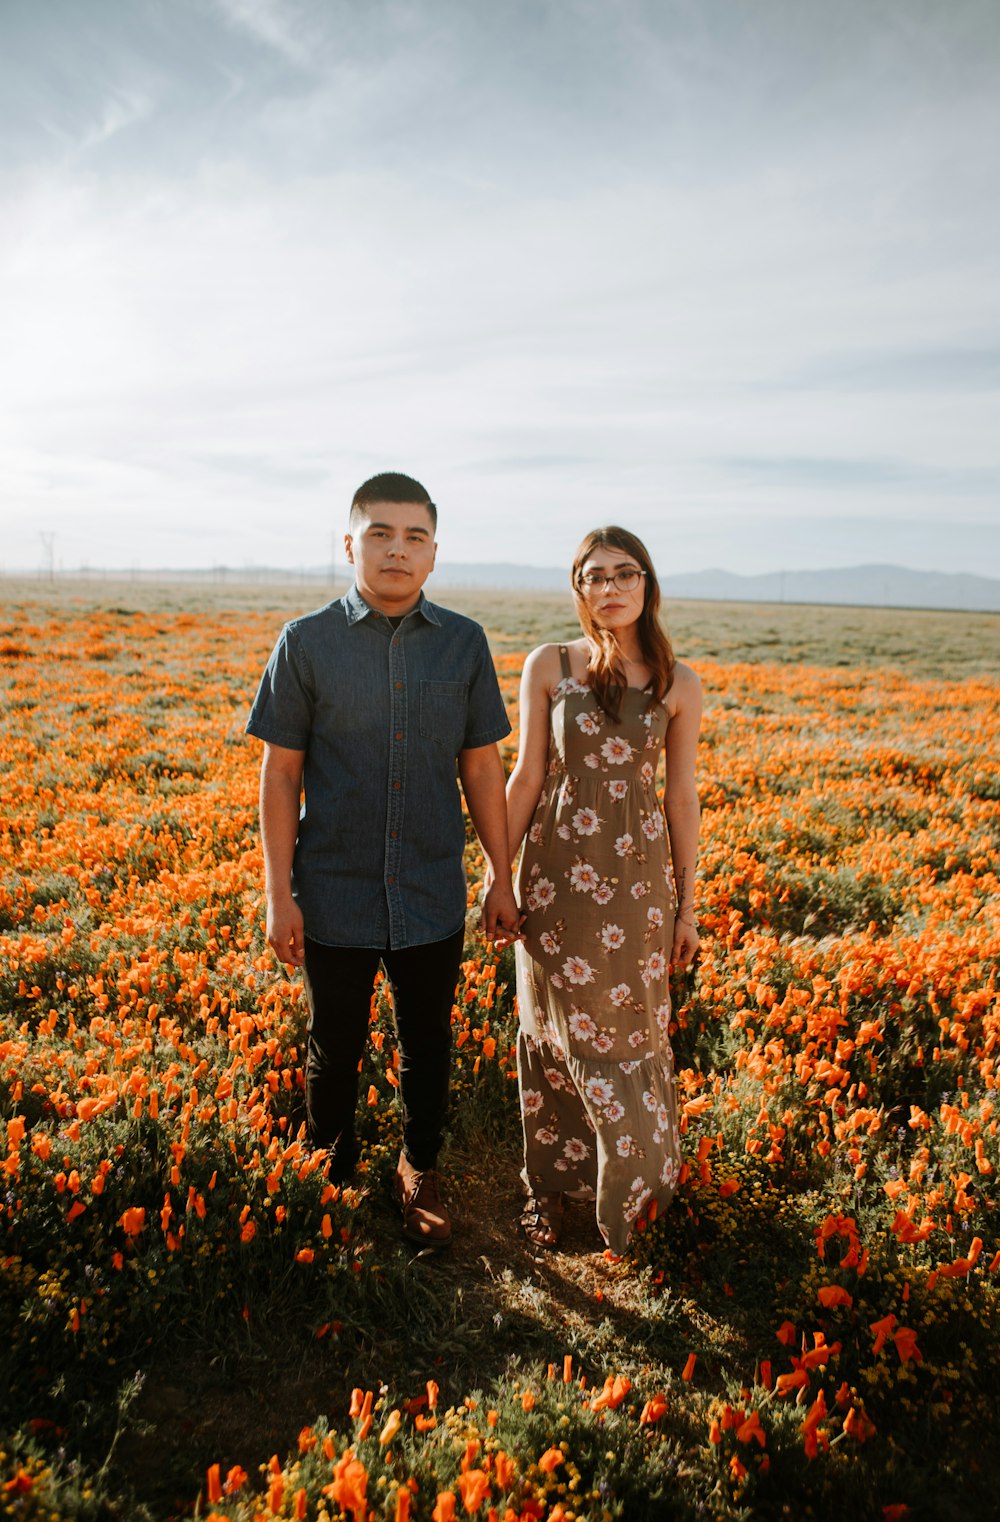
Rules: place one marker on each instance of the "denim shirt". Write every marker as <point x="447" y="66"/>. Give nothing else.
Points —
<point x="381" y="714"/>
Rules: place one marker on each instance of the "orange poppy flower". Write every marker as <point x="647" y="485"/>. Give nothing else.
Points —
<point x="213" y="1483"/>
<point x="830" y="1295"/>
<point x="474" y="1485"/>
<point x="392" y="1426"/>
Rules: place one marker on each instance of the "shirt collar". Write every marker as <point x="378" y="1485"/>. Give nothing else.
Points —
<point x="356" y="608"/>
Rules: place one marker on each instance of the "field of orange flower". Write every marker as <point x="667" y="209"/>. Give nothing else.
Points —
<point x="812" y="1324"/>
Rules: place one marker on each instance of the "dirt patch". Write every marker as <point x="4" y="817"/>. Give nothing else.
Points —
<point x="489" y="1299"/>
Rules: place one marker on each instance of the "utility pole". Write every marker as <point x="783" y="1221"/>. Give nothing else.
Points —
<point x="48" y="538"/>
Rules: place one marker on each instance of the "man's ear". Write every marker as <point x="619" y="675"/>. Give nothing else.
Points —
<point x="349" y="548"/>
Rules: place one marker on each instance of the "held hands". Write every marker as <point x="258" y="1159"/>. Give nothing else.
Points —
<point x="285" y="932"/>
<point x="685" y="943"/>
<point x="501" y="920"/>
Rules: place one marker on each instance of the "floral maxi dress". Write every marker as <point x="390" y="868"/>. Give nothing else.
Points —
<point x="596" y="886"/>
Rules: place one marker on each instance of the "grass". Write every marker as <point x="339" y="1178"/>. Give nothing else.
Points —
<point x="835" y="1053"/>
<point x="920" y="643"/>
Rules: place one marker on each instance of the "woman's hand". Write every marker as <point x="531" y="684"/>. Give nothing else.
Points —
<point x="504" y="937"/>
<point x="501" y="918"/>
<point x="685" y="943"/>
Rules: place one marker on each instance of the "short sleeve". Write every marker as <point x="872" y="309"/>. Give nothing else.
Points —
<point x="486" y="716"/>
<point x="283" y="708"/>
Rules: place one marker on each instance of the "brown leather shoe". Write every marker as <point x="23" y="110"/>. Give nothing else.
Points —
<point x="425" y="1218"/>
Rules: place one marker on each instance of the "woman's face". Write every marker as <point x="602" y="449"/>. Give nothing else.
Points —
<point x="611" y="604"/>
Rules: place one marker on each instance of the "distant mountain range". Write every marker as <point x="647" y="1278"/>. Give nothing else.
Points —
<point x="872" y="586"/>
<point x="879" y="586"/>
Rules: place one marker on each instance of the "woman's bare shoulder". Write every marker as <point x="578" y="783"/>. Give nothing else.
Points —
<point x="685" y="689"/>
<point x="687" y="675"/>
<point x="544" y="668"/>
<point x="548" y="657"/>
<point x="541" y="669"/>
<point x="542" y="657"/>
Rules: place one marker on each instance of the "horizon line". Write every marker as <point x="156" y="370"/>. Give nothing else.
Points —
<point x="337" y="570"/>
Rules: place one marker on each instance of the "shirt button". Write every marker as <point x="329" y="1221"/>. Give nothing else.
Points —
<point x="393" y="834"/>
<point x="398" y="685"/>
<point x="398" y="735"/>
<point x="390" y="881"/>
<point x="397" y="786"/>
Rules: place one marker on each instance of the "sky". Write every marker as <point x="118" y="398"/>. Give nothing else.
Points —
<point x="722" y="271"/>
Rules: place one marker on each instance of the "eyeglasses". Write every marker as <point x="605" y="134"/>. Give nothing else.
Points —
<point x="625" y="581"/>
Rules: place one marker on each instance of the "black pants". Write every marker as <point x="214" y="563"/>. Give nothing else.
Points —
<point x="339" y="982"/>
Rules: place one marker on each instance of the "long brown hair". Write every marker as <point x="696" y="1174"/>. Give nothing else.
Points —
<point x="606" y="673"/>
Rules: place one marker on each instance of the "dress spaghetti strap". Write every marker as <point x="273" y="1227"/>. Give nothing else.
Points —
<point x="564" y="661"/>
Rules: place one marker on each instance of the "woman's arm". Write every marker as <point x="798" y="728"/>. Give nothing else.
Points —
<point x="681" y="806"/>
<point x="540" y="675"/>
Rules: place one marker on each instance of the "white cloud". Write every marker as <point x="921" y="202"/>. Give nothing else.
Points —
<point x="277" y="24"/>
<point x="210" y="355"/>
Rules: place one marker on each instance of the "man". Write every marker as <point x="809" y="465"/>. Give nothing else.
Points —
<point x="367" y="705"/>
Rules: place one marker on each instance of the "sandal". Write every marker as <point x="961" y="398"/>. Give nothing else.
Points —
<point x="542" y="1219"/>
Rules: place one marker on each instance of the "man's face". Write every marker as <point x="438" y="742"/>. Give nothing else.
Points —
<point x="392" y="554"/>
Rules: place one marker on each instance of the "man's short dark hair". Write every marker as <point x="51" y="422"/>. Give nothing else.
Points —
<point x="390" y="486"/>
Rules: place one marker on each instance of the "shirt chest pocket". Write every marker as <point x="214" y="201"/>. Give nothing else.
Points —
<point x="443" y="707"/>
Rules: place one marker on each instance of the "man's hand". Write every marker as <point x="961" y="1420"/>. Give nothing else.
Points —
<point x="286" y="932"/>
<point x="280" y="789"/>
<point x="481" y="771"/>
<point x="501" y="919"/>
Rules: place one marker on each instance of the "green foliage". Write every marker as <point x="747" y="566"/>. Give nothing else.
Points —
<point x="835" y="1056"/>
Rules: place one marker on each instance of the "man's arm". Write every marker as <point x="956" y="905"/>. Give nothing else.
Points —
<point x="481" y="771"/>
<point x="280" y="792"/>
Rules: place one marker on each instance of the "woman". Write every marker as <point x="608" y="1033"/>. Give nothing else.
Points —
<point x="605" y="916"/>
